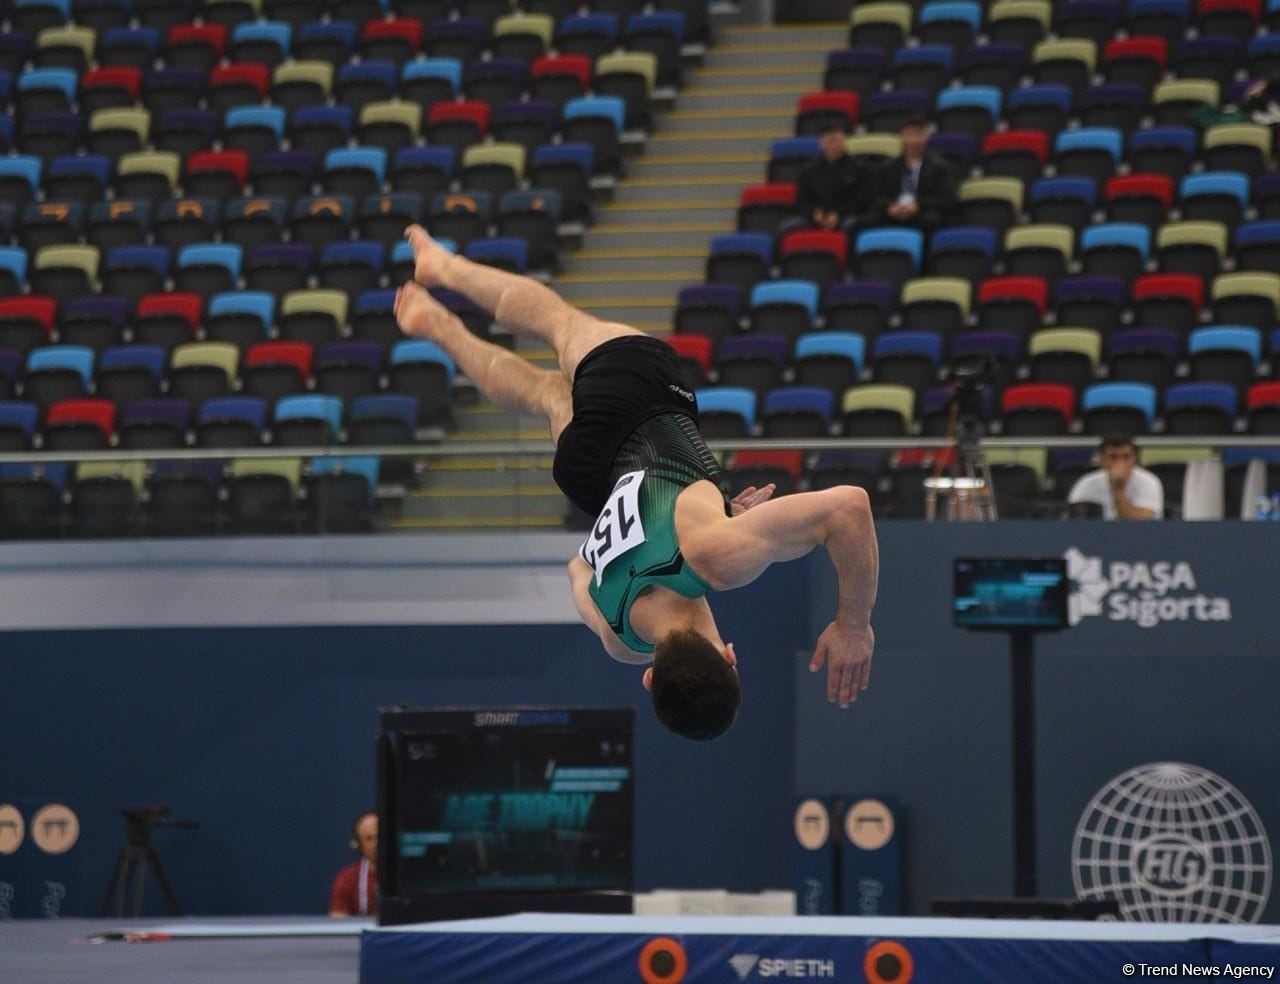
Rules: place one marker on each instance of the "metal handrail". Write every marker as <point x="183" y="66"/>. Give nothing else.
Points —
<point x="508" y="449"/>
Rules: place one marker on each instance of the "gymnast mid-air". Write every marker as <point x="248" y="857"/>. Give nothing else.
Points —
<point x="628" y="451"/>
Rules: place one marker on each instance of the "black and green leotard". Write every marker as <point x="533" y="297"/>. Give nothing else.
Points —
<point x="633" y="544"/>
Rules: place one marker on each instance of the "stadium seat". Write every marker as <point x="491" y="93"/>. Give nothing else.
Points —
<point x="754" y="361"/>
<point x="1068" y="356"/>
<point x="992" y="202"/>
<point x="1066" y="201"/>
<point x="1250" y="298"/>
<point x="1037" y="409"/>
<point x="1118" y="249"/>
<point x="857" y="70"/>
<point x="262" y="496"/>
<point x="1043" y="251"/>
<point x="1126" y="408"/>
<point x="1200" y="408"/>
<point x="831" y="360"/>
<point x="726" y="412"/>
<point x="935" y="304"/>
<point x="883" y="26"/>
<point x="1144" y="198"/>
<point x="79" y="425"/>
<point x="741" y="259"/>
<point x="966" y="252"/>
<point x="798" y="412"/>
<point x="1095" y="301"/>
<point x="878" y="410"/>
<point x="1195" y="248"/>
<point x="709" y="310"/>
<point x="889" y="255"/>
<point x="906" y="358"/>
<point x="1012" y="303"/>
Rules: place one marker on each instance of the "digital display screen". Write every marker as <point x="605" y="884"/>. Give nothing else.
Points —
<point x="1010" y="593"/>
<point x="491" y="801"/>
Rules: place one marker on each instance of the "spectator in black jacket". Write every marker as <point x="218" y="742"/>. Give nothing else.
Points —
<point x="917" y="188"/>
<point x="835" y="191"/>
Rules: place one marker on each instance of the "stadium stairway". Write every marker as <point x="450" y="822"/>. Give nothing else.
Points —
<point x="650" y="239"/>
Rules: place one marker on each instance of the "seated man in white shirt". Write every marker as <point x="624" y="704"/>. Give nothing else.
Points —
<point x="1122" y="487"/>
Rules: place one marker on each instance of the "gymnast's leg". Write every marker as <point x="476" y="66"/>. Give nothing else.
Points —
<point x="501" y="376"/>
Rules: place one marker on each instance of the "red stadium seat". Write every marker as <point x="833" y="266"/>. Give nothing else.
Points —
<point x="695" y="347"/>
<point x="101" y="413"/>
<point x="213" y="35"/>
<point x="405" y="28"/>
<point x="1263" y="395"/>
<point x="1033" y="289"/>
<point x="296" y="354"/>
<point x="789" y="461"/>
<point x="33" y="307"/>
<point x="1031" y="141"/>
<point x="473" y="111"/>
<point x="1251" y="7"/>
<point x="579" y="65"/>
<point x="1054" y="395"/>
<point x="184" y="305"/>
<point x="234" y="161"/>
<point x="1170" y="285"/>
<point x="778" y="193"/>
<point x="817" y="241"/>
<point x="840" y="102"/>
<point x="123" y="77"/>
<point x="1152" y="48"/>
<point x="242" y="73"/>
<point x="1141" y="185"/>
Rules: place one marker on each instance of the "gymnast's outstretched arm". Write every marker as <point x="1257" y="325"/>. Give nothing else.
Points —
<point x="737" y="551"/>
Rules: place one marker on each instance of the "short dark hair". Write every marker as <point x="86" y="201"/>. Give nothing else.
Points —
<point x="834" y="127"/>
<point x="696" y="692"/>
<point x="1116" y="440"/>
<point x="915" y="120"/>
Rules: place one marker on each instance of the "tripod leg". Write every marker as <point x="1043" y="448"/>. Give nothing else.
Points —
<point x="141" y="863"/>
<point x="170" y="899"/>
<point x="115" y="889"/>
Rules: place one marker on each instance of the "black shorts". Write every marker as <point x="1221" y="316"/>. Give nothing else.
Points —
<point x="619" y="385"/>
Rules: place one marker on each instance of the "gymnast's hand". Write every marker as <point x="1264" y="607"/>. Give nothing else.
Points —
<point x="429" y="257"/>
<point x="846" y="650"/>
<point x="420" y="315"/>
<point x="750" y="496"/>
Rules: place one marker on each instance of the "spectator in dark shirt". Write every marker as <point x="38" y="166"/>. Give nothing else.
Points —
<point x="917" y="188"/>
<point x="835" y="191"/>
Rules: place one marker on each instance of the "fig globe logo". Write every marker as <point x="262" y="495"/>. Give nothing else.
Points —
<point x="1146" y="593"/>
<point x="1173" y="843"/>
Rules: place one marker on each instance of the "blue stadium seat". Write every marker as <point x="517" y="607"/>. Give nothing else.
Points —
<point x="13" y="267"/>
<point x="610" y="107"/>
<point x="956" y="109"/>
<point x="61" y="80"/>
<point x="419" y="350"/>
<point x="265" y="117"/>
<point x="149" y="357"/>
<point x="728" y="400"/>
<point x="837" y="343"/>
<point x="365" y="466"/>
<point x="259" y="304"/>
<point x="326" y="408"/>
<point x="19" y="416"/>
<point x="1118" y="249"/>
<point x="248" y="409"/>
<point x="447" y="69"/>
<point x="1240" y="338"/>
<point x="1137" y="396"/>
<point x="230" y="256"/>
<point x="382" y="406"/>
<point x="1064" y="201"/>
<point x="75" y="358"/>
<point x="19" y="178"/>
<point x="262" y="34"/>
<point x="798" y="411"/>
<point x="505" y="252"/>
<point x="924" y="343"/>
<point x="802" y="293"/>
<point x="1217" y="395"/>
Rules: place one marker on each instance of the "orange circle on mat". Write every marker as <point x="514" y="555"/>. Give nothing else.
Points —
<point x="888" y="952"/>
<point x="665" y="951"/>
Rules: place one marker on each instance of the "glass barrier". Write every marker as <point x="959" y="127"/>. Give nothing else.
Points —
<point x="493" y="485"/>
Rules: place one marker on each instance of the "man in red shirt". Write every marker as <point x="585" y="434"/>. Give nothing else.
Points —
<point x="355" y="888"/>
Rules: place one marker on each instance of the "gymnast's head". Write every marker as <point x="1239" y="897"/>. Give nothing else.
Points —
<point x="694" y="683"/>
